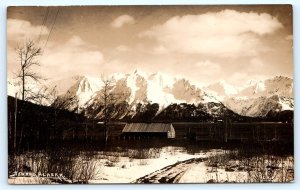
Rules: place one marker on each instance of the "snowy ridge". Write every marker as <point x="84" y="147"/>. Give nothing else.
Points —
<point x="221" y="90"/>
<point x="279" y="85"/>
<point x="259" y="98"/>
<point x="136" y="88"/>
<point x="256" y="98"/>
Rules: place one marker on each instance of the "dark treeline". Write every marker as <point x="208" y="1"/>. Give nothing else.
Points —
<point x="42" y="127"/>
<point x="36" y="126"/>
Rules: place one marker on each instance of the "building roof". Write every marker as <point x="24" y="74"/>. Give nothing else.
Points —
<point x="148" y="127"/>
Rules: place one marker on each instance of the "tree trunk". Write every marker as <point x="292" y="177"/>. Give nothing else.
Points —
<point x="23" y="84"/>
<point x="106" y="135"/>
<point x="15" y="123"/>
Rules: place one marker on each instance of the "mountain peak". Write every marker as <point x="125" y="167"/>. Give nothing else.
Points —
<point x="139" y="73"/>
<point x="280" y="77"/>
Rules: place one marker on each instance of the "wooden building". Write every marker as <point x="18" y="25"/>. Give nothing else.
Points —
<point x="146" y="130"/>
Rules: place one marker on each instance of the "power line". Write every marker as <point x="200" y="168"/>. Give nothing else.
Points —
<point x="44" y="23"/>
<point x="51" y="28"/>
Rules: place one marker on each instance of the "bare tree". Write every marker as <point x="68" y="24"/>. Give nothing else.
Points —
<point x="107" y="98"/>
<point x="27" y="55"/>
<point x="110" y="99"/>
<point x="40" y="96"/>
<point x="104" y="104"/>
<point x="27" y="58"/>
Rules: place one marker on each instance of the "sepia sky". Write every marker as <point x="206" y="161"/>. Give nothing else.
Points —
<point x="202" y="43"/>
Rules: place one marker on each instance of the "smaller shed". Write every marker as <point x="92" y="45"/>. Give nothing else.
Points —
<point x="165" y="130"/>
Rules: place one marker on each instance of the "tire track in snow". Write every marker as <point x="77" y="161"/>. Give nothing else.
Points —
<point x="171" y="173"/>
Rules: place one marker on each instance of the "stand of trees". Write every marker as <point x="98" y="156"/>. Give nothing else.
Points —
<point x="36" y="126"/>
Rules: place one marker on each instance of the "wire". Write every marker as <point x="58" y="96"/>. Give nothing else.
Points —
<point x="51" y="29"/>
<point x="43" y="24"/>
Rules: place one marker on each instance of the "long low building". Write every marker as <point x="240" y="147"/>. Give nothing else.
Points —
<point x="141" y="130"/>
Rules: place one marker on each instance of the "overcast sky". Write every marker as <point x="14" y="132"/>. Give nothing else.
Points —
<point x="202" y="43"/>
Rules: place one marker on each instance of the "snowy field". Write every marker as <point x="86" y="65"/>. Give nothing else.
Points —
<point x="127" y="170"/>
<point x="163" y="165"/>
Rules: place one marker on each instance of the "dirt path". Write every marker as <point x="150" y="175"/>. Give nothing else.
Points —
<point x="171" y="173"/>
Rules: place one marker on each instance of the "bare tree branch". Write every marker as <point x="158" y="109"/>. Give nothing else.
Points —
<point x="27" y="54"/>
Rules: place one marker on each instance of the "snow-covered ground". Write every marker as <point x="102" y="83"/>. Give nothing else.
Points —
<point x="127" y="170"/>
<point x="175" y="165"/>
<point x="251" y="170"/>
<point x="204" y="174"/>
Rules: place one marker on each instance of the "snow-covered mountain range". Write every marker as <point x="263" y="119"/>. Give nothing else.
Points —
<point x="258" y="99"/>
<point x="164" y="93"/>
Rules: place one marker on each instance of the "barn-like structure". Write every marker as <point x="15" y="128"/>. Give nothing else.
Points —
<point x="146" y="130"/>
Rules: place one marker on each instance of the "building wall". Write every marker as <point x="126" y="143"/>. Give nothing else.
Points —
<point x="142" y="135"/>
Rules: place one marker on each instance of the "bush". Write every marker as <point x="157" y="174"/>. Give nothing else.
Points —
<point x="75" y="168"/>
